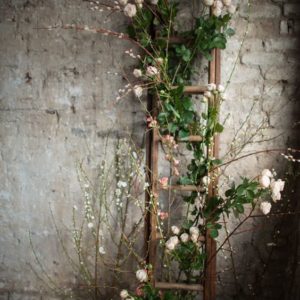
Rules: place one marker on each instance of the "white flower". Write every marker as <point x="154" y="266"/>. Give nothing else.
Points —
<point x="174" y="239"/>
<point x="194" y="238"/>
<point x="151" y="71"/>
<point x="175" y="229"/>
<point x="130" y="10"/>
<point x="137" y="73"/>
<point x="217" y="11"/>
<point x="266" y="172"/>
<point x="264" y="181"/>
<point x="231" y="9"/>
<point x="138" y="91"/>
<point x="211" y="86"/>
<point x="226" y="2"/>
<point x="122" y="184"/>
<point x="90" y="225"/>
<point x="154" y="2"/>
<point x="184" y="237"/>
<point x="139" y="1"/>
<point x="206" y="180"/>
<point x="265" y="207"/>
<point x="207" y="94"/>
<point x="221" y="88"/>
<point x="102" y="250"/>
<point x="218" y="4"/>
<point x="169" y="245"/>
<point x="141" y="275"/>
<point x="75" y="207"/>
<point x="208" y="2"/>
<point x="160" y="60"/>
<point x="124" y="294"/>
<point x="277" y="187"/>
<point x="194" y="230"/>
<point x="123" y="2"/>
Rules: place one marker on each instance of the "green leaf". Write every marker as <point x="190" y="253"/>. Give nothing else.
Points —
<point x="214" y="233"/>
<point x="184" y="180"/>
<point x="219" y="128"/>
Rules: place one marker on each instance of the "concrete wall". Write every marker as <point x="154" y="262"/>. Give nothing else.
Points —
<point x="58" y="102"/>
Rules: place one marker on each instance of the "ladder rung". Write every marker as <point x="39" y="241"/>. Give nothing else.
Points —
<point x="193" y="89"/>
<point x="184" y="188"/>
<point x="178" y="286"/>
<point x="191" y="138"/>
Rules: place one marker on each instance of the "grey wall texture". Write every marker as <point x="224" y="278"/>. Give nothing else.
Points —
<point x="58" y="103"/>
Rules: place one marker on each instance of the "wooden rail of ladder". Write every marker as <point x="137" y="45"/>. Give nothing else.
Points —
<point x="152" y="151"/>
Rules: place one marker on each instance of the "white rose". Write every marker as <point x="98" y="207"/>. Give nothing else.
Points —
<point x="206" y="180"/>
<point x="90" y="225"/>
<point x="123" y="2"/>
<point x="276" y="196"/>
<point x="130" y="10"/>
<point x="174" y="240"/>
<point x="124" y="294"/>
<point x="141" y="275"/>
<point x="208" y="2"/>
<point x="218" y="4"/>
<point x="266" y="172"/>
<point x="154" y="2"/>
<point x="217" y="11"/>
<point x="264" y="181"/>
<point x="184" y="237"/>
<point x="138" y="91"/>
<point x="194" y="238"/>
<point x="221" y="88"/>
<point x="137" y="73"/>
<point x="265" y="207"/>
<point x="151" y="71"/>
<point x="170" y="245"/>
<point x="194" y="230"/>
<point x="231" y="9"/>
<point x="226" y="2"/>
<point x="277" y="185"/>
<point x="211" y="86"/>
<point x="175" y="229"/>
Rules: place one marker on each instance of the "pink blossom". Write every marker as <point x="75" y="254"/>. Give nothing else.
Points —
<point x="164" y="182"/>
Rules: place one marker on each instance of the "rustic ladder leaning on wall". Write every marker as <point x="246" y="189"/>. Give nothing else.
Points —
<point x="152" y="151"/>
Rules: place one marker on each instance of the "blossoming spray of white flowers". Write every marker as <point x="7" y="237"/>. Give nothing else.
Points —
<point x="130" y="10"/>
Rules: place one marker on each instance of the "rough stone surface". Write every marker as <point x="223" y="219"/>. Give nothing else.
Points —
<point x="58" y="94"/>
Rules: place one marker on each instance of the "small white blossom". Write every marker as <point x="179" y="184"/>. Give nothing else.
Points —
<point x="226" y="2"/>
<point x="130" y="10"/>
<point x="194" y="238"/>
<point x="138" y="91"/>
<point x="139" y="1"/>
<point x="231" y="9"/>
<point x="151" y="71"/>
<point x="124" y="294"/>
<point x="206" y="180"/>
<point x="208" y="2"/>
<point x="122" y="184"/>
<point x="221" y="88"/>
<point x="137" y="73"/>
<point x="194" y="230"/>
<point x="217" y="11"/>
<point x="175" y="229"/>
<point x="123" y="2"/>
<point x="265" y="207"/>
<point x="174" y="239"/>
<point x="264" y="181"/>
<point x="266" y="172"/>
<point x="207" y="94"/>
<point x="184" y="237"/>
<point x="169" y="245"/>
<point x="276" y="188"/>
<point x="154" y="2"/>
<point x="218" y="4"/>
<point x="142" y="275"/>
<point x="90" y="225"/>
<point x="102" y="250"/>
<point x="211" y="87"/>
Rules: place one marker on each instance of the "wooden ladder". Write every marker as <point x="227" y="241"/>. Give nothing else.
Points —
<point x="152" y="152"/>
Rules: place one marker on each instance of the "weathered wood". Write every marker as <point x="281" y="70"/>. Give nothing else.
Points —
<point x="179" y="286"/>
<point x="183" y="188"/>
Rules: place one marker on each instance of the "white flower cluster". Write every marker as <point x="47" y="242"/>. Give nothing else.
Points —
<point x="214" y="90"/>
<point x="174" y="240"/>
<point x="219" y="7"/>
<point x="267" y="181"/>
